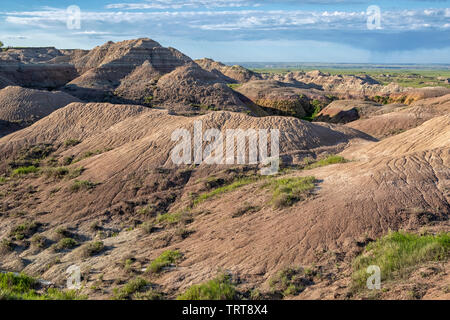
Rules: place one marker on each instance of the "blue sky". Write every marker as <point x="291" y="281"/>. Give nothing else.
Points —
<point x="414" y="31"/>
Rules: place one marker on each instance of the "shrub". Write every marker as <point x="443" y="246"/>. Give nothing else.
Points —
<point x="219" y="288"/>
<point x="58" y="172"/>
<point x="38" y="241"/>
<point x="79" y="185"/>
<point x="6" y="246"/>
<point x="66" y="243"/>
<point x="24" y="230"/>
<point x="71" y="142"/>
<point x="290" y="281"/>
<point x="397" y="252"/>
<point x="131" y="287"/>
<point x="92" y="248"/>
<point x="166" y="259"/>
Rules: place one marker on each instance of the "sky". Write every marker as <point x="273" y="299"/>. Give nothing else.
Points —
<point x="331" y="31"/>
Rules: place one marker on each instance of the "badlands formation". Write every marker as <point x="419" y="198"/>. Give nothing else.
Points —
<point x="87" y="179"/>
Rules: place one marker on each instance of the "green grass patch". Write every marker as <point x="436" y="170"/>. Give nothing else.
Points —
<point x="397" y="252"/>
<point x="219" y="288"/>
<point x="166" y="259"/>
<point x="287" y="191"/>
<point x="234" y="86"/>
<point x="21" y="171"/>
<point x="331" y="159"/>
<point x="224" y="189"/>
<point x="130" y="288"/>
<point x="24" y="287"/>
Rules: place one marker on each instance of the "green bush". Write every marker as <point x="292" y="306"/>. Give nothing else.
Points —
<point x="130" y="288"/>
<point x="92" y="248"/>
<point x="24" y="230"/>
<point x="397" y="252"/>
<point x="219" y="288"/>
<point x="166" y="259"/>
<point x="66" y="243"/>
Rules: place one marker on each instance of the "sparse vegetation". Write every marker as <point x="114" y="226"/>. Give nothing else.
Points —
<point x="65" y="244"/>
<point x="287" y="191"/>
<point x="92" y="248"/>
<point x="80" y="185"/>
<point x="71" y="142"/>
<point x="219" y="288"/>
<point x="24" y="230"/>
<point x="166" y="259"/>
<point x="331" y="159"/>
<point x="130" y="288"/>
<point x="223" y="189"/>
<point x="290" y="281"/>
<point x="397" y="252"/>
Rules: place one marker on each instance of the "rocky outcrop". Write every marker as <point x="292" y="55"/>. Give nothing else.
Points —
<point x="344" y="111"/>
<point x="230" y="74"/>
<point x="282" y="98"/>
<point x="199" y="88"/>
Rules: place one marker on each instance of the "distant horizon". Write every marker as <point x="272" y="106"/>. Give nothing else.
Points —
<point x="363" y="31"/>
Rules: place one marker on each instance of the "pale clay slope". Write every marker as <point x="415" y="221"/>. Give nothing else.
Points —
<point x="385" y="186"/>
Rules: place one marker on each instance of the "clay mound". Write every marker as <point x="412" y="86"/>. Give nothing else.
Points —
<point x="402" y="119"/>
<point x="413" y="95"/>
<point x="230" y="74"/>
<point x="194" y="86"/>
<point x="130" y="54"/>
<point x="103" y="68"/>
<point x="282" y="98"/>
<point x="30" y="55"/>
<point x="430" y="135"/>
<point x="27" y="105"/>
<point x="342" y="86"/>
<point x="139" y="85"/>
<point x="344" y="111"/>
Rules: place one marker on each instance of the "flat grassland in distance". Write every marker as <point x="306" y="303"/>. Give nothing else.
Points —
<point x="416" y="78"/>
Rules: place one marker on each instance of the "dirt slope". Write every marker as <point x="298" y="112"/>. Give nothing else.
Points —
<point x="388" y="185"/>
<point x="21" y="104"/>
<point x="397" y="121"/>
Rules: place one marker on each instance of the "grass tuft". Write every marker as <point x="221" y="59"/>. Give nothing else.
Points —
<point x="397" y="252"/>
<point x="166" y="259"/>
<point x="219" y="288"/>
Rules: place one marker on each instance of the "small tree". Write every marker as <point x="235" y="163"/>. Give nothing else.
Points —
<point x="1" y="44"/>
